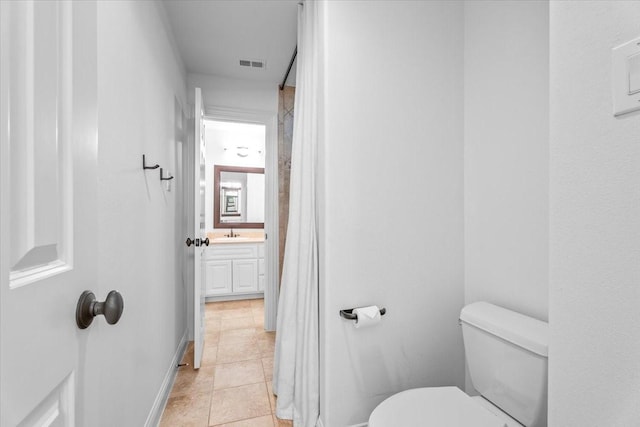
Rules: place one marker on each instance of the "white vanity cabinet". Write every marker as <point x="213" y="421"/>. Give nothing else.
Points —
<point x="234" y="268"/>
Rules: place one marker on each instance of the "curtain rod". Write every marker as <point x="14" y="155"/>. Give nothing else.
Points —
<point x="293" y="58"/>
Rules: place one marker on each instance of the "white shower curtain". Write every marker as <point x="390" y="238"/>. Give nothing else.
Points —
<point x="296" y="360"/>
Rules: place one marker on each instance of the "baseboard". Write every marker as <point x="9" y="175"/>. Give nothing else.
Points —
<point x="218" y="298"/>
<point x="153" y="419"/>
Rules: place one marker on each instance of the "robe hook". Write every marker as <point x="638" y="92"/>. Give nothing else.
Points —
<point x="144" y="164"/>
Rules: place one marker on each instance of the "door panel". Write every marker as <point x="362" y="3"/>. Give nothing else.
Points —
<point x="57" y="409"/>
<point x="48" y="157"/>
<point x="40" y="101"/>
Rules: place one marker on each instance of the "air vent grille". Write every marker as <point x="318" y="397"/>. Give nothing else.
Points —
<point x="252" y="63"/>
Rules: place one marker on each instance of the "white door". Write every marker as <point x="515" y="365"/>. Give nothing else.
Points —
<point x="48" y="157"/>
<point x="199" y="291"/>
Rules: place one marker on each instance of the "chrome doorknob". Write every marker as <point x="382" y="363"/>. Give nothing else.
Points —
<point x="88" y="308"/>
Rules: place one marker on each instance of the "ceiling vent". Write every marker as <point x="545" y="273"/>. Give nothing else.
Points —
<point x="251" y="63"/>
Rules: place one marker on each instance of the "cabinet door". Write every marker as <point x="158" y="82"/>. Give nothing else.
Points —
<point x="245" y="275"/>
<point x="261" y="275"/>
<point x="218" y="276"/>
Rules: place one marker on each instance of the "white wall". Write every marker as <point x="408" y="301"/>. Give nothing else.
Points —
<point x="393" y="115"/>
<point x="234" y="94"/>
<point x="594" y="358"/>
<point x="139" y="247"/>
<point x="506" y="164"/>
<point x="255" y="202"/>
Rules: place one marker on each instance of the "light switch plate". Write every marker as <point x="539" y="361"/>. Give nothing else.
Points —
<point x="626" y="77"/>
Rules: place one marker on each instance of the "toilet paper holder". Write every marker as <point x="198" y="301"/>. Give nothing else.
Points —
<point x="349" y="315"/>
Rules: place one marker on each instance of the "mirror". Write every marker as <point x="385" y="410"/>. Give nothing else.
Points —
<point x="238" y="197"/>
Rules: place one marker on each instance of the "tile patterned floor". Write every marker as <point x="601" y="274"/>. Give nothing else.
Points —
<point x="233" y="386"/>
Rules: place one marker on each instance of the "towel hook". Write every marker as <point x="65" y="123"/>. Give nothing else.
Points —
<point x="164" y="178"/>
<point x="144" y="164"/>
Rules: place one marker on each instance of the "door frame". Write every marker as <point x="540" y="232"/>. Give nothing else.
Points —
<point x="271" y="223"/>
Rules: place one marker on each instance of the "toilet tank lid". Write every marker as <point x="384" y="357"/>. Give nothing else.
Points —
<point x="523" y="331"/>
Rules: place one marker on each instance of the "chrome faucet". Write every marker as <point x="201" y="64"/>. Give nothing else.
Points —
<point x="231" y="234"/>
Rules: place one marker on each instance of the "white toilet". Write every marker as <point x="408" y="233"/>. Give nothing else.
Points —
<point x="507" y="359"/>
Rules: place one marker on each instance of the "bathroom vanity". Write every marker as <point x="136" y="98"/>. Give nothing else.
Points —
<point x="234" y="267"/>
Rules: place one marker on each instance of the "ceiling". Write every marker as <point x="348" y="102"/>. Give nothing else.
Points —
<point x="213" y="36"/>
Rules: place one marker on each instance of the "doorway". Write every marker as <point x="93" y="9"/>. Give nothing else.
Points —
<point x="234" y="200"/>
<point x="243" y="224"/>
<point x="234" y="379"/>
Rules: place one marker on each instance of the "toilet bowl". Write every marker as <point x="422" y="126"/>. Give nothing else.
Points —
<point x="438" y="407"/>
<point x="507" y="357"/>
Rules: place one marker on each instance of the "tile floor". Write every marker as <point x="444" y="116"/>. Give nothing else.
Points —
<point x="232" y="388"/>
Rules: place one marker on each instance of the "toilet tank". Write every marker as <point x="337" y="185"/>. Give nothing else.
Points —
<point x="507" y="358"/>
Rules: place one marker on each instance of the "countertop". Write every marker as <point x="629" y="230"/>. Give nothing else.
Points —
<point x="219" y="238"/>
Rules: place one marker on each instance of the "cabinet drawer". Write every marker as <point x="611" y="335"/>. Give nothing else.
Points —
<point x="232" y="251"/>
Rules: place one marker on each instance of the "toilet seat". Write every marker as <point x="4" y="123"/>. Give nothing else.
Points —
<point x="432" y="406"/>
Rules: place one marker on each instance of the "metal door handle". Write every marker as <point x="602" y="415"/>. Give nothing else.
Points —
<point x="88" y="308"/>
<point x="196" y="242"/>
<point x="205" y="241"/>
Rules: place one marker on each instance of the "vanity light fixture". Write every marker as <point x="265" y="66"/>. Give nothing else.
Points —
<point x="242" y="151"/>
